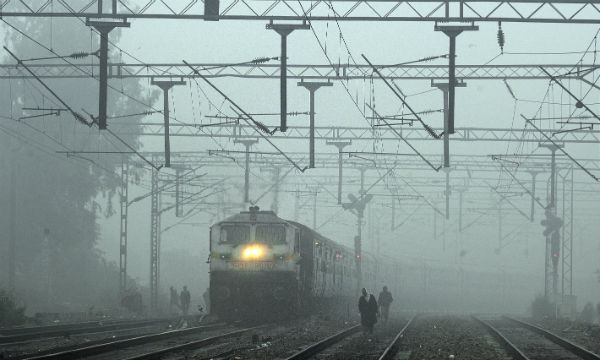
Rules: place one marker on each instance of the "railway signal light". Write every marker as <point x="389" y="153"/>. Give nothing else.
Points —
<point x="555" y="248"/>
<point x="357" y="247"/>
<point x="551" y="223"/>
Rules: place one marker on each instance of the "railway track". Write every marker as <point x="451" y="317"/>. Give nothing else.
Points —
<point x="196" y="344"/>
<point x="392" y="349"/>
<point x="110" y="345"/>
<point x="525" y="341"/>
<point x="11" y="336"/>
<point x="316" y="348"/>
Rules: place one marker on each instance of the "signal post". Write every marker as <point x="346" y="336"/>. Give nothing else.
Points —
<point x="552" y="224"/>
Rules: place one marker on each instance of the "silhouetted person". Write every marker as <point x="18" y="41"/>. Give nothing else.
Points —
<point x="367" y="305"/>
<point x="132" y="301"/>
<point x="587" y="314"/>
<point x="185" y="300"/>
<point x="206" y="297"/>
<point x="385" y="300"/>
<point x="174" y="299"/>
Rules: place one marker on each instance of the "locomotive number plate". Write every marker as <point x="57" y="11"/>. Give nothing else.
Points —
<point x="251" y="265"/>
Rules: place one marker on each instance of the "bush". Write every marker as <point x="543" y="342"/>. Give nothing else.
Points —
<point x="541" y="308"/>
<point x="10" y="313"/>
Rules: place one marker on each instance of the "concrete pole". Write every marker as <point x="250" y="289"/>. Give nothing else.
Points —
<point x="284" y="30"/>
<point x="165" y="86"/>
<point x="340" y="145"/>
<point x="312" y="87"/>
<point x="104" y="28"/>
<point x="248" y="144"/>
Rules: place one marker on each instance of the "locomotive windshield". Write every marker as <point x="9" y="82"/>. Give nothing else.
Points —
<point x="270" y="234"/>
<point x="235" y="234"/>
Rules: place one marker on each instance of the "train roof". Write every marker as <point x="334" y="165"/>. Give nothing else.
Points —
<point x="254" y="216"/>
<point x="319" y="236"/>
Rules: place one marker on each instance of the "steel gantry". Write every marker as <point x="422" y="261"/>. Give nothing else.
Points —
<point x="300" y="71"/>
<point x="528" y="11"/>
<point x="364" y="133"/>
<point x="383" y="161"/>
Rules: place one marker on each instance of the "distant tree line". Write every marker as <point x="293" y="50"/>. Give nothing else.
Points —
<point x="58" y="197"/>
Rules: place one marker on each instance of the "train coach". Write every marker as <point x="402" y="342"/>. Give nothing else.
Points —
<point x="262" y="266"/>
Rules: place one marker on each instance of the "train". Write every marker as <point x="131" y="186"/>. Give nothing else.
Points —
<point x="266" y="267"/>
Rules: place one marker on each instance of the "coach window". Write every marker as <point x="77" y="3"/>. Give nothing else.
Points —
<point x="270" y="234"/>
<point x="234" y="234"/>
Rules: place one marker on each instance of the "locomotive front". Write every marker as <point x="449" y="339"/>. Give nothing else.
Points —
<point x="253" y="266"/>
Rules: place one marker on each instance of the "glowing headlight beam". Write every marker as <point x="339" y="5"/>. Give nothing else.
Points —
<point x="252" y="252"/>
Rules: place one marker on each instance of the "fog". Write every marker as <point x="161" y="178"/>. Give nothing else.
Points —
<point x="486" y="255"/>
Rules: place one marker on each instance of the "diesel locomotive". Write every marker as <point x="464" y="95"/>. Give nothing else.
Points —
<point x="262" y="266"/>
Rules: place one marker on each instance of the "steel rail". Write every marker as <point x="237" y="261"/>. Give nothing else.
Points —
<point x="8" y="336"/>
<point x="393" y="348"/>
<point x="508" y="346"/>
<point x="190" y="345"/>
<point x="323" y="344"/>
<point x="566" y="344"/>
<point x="123" y="344"/>
<point x="62" y="348"/>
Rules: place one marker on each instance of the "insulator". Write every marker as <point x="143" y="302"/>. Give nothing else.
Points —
<point x="262" y="127"/>
<point x="429" y="58"/>
<point x="430" y="131"/>
<point x="429" y="111"/>
<point x="80" y="118"/>
<point x="260" y="60"/>
<point x="500" y="37"/>
<point x="79" y="55"/>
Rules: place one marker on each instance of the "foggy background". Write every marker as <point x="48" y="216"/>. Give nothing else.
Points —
<point x="77" y="199"/>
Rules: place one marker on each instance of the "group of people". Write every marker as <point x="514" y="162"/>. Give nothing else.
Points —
<point x="180" y="301"/>
<point x="370" y="308"/>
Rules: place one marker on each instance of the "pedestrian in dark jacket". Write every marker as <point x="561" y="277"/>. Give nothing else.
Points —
<point x="185" y="300"/>
<point x="385" y="299"/>
<point x="367" y="305"/>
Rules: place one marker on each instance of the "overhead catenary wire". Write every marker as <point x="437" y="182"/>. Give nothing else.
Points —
<point x="405" y="141"/>
<point x="249" y="118"/>
<point x="425" y="126"/>
<point x="44" y="148"/>
<point x="561" y="149"/>
<point x="79" y="68"/>
<point x="570" y="93"/>
<point x="75" y="114"/>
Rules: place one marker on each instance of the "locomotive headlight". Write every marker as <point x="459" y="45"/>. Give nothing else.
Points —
<point x="253" y="252"/>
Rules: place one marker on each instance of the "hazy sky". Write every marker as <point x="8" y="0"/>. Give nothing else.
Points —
<point x="481" y="104"/>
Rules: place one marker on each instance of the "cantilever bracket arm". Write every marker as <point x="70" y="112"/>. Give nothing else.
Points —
<point x="579" y="102"/>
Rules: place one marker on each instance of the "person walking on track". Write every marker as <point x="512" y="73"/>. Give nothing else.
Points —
<point x="385" y="300"/>
<point x="367" y="305"/>
<point x="185" y="300"/>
